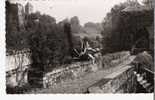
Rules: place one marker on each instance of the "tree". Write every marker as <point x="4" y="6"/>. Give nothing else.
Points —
<point x="148" y="3"/>
<point x="50" y="43"/>
<point x="114" y="32"/>
<point x="75" y="24"/>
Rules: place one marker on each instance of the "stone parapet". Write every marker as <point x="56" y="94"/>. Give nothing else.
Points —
<point x="121" y="81"/>
<point x="71" y="72"/>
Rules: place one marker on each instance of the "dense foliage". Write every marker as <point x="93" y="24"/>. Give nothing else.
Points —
<point x="46" y="40"/>
<point x="122" y="29"/>
<point x="49" y="43"/>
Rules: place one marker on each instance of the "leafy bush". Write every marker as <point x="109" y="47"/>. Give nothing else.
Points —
<point x="49" y="43"/>
<point x="113" y="59"/>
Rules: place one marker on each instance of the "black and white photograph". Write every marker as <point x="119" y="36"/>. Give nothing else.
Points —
<point x="79" y="46"/>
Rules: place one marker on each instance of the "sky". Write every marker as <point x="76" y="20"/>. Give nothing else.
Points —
<point x="86" y="10"/>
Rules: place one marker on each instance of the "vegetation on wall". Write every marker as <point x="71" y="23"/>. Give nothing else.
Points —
<point x="124" y="25"/>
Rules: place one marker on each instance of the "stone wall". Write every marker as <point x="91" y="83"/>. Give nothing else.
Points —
<point x="121" y="81"/>
<point x="17" y="60"/>
<point x="18" y="65"/>
<point x="16" y="69"/>
<point x="70" y="72"/>
<point x="17" y="77"/>
<point x="78" y="69"/>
